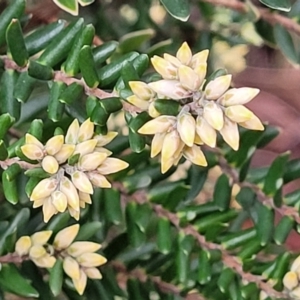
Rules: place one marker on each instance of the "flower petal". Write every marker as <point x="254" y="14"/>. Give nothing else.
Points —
<point x="79" y="248"/>
<point x="141" y="90"/>
<point x="65" y="237"/>
<point x="238" y="96"/>
<point x="213" y="114"/>
<point x="230" y="134"/>
<point x="23" y="245"/>
<point x="253" y="124"/>
<point x="91" y="260"/>
<point x="59" y="201"/>
<point x="68" y="188"/>
<point x="136" y="101"/>
<point x="188" y="78"/>
<point x="186" y="127"/>
<point x="102" y="140"/>
<point x="195" y="155"/>
<point x="170" y="145"/>
<point x="71" y="267"/>
<point x="81" y="182"/>
<point x="32" y="151"/>
<point x="290" y="280"/>
<point x="64" y="153"/>
<point x="112" y="165"/>
<point x="99" y="180"/>
<point x="86" y="147"/>
<point x="50" y="164"/>
<point x="91" y="161"/>
<point x="86" y="131"/>
<point x="54" y="144"/>
<point x="49" y="209"/>
<point x="238" y="113"/>
<point x="184" y="54"/>
<point x="199" y="58"/>
<point x="80" y="283"/>
<point x="72" y="133"/>
<point x="93" y="273"/>
<point x="163" y="67"/>
<point x="41" y="237"/>
<point x="217" y="87"/>
<point x="207" y="134"/>
<point x="157" y="143"/>
<point x="158" y="125"/>
<point x="30" y="139"/>
<point x="37" y="251"/>
<point x="44" y="189"/>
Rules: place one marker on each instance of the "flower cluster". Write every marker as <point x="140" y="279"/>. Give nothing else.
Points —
<point x="291" y="280"/>
<point x="75" y="163"/>
<point x="79" y="257"/>
<point x="205" y="108"/>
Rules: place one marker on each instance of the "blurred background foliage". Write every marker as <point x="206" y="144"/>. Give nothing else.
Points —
<point x="159" y="255"/>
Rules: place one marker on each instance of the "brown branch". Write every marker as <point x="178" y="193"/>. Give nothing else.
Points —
<point x="228" y="260"/>
<point x="63" y="77"/>
<point x="266" y="14"/>
<point x="12" y="258"/>
<point x="141" y="276"/>
<point x="283" y="210"/>
<point x="15" y="160"/>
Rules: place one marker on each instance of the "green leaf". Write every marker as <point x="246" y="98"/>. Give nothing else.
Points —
<point x="179" y="9"/>
<point x="104" y="51"/>
<point x="72" y="93"/>
<point x="133" y="40"/>
<point x="40" y="71"/>
<point x="55" y="107"/>
<point x="112" y="203"/>
<point x="24" y="87"/>
<point x="19" y="220"/>
<point x="283" y="5"/>
<point x="226" y="277"/>
<point x="285" y="43"/>
<point x="222" y="192"/>
<point x="265" y="224"/>
<point x="12" y="281"/>
<point x="204" y="267"/>
<point x="14" y="10"/>
<point x="56" y="277"/>
<point x="87" y="67"/>
<point x="70" y="6"/>
<point x="16" y="44"/>
<point x="42" y="36"/>
<point x="283" y="229"/>
<point x="237" y="239"/>
<point x="274" y="178"/>
<point x="164" y="241"/>
<point x="88" y="230"/>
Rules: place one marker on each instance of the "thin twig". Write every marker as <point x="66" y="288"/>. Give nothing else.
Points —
<point x="16" y="160"/>
<point x="266" y="14"/>
<point x="228" y="260"/>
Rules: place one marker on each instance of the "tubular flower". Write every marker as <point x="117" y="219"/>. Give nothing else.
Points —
<point x="205" y="108"/>
<point x="36" y="248"/>
<point x="291" y="280"/>
<point x="73" y="165"/>
<point x="79" y="258"/>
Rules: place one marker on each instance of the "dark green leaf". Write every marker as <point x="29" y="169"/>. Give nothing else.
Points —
<point x="179" y="9"/>
<point x="56" y="277"/>
<point x="283" y="5"/>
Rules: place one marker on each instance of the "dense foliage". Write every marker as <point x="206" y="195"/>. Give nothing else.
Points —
<point x="126" y="152"/>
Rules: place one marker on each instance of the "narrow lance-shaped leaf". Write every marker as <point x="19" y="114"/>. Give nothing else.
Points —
<point x="222" y="192"/>
<point x="204" y="267"/>
<point x="24" y="87"/>
<point x="164" y="241"/>
<point x="283" y="229"/>
<point x="283" y="5"/>
<point x="265" y="224"/>
<point x="56" y="277"/>
<point x="16" y="44"/>
<point x="14" y="10"/>
<point x="179" y="9"/>
<point x="55" y="107"/>
<point x="113" y="211"/>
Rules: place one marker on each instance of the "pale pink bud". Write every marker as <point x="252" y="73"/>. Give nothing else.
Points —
<point x="81" y="182"/>
<point x="186" y="127"/>
<point x="91" y="161"/>
<point x="157" y="143"/>
<point x="91" y="260"/>
<point x="54" y="144"/>
<point x="79" y="248"/>
<point x="93" y="273"/>
<point x="188" y="78"/>
<point x="199" y="58"/>
<point x="184" y="54"/>
<point x="65" y="237"/>
<point x="112" y="165"/>
<point x="138" y="102"/>
<point x="170" y="88"/>
<point x="80" y="283"/>
<point x="49" y="209"/>
<point x="44" y="189"/>
<point x="195" y="155"/>
<point x="72" y="133"/>
<point x="230" y="134"/>
<point x="213" y="114"/>
<point x="290" y="280"/>
<point x="170" y="145"/>
<point x="23" y="245"/>
<point x="68" y="188"/>
<point x="41" y="237"/>
<point x="71" y="267"/>
<point x="99" y="180"/>
<point x="30" y="139"/>
<point x="86" y="147"/>
<point x="141" y="90"/>
<point x="254" y="124"/>
<point x="238" y="96"/>
<point x="163" y="67"/>
<point x="217" y="87"/>
<point x="32" y="151"/>
<point x="102" y="140"/>
<point x="64" y="153"/>
<point x="86" y="131"/>
<point x="207" y="134"/>
<point x="50" y="164"/>
<point x="158" y="125"/>
<point x="59" y="201"/>
<point x="238" y="113"/>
